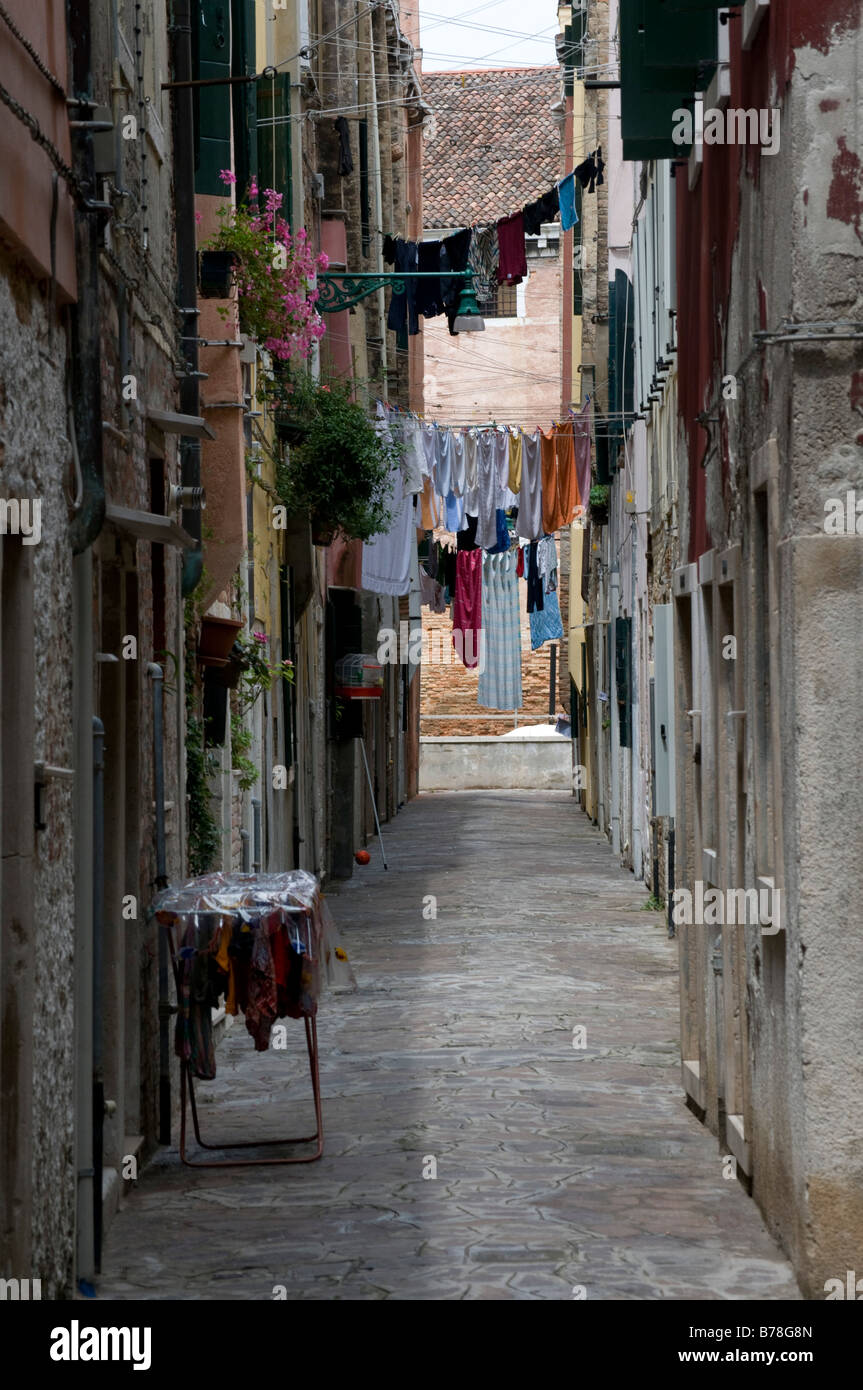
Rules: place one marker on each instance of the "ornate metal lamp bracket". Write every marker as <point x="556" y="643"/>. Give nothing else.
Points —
<point x="341" y="290"/>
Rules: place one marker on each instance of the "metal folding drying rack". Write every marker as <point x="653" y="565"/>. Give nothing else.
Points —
<point x="187" y="1087"/>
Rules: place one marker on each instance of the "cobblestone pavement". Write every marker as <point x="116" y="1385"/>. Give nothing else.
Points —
<point x="556" y="1166"/>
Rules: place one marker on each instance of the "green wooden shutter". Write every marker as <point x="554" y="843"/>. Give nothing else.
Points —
<point x="211" y="53"/>
<point x="243" y="96"/>
<point x="274" y="138"/>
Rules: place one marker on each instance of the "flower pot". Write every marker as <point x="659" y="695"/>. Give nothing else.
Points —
<point x="216" y="640"/>
<point x="229" y="675"/>
<point x="215" y="273"/>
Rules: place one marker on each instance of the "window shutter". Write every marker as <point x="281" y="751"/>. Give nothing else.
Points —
<point x="211" y="57"/>
<point x="274" y="138"/>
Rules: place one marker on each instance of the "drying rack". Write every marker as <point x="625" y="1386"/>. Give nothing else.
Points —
<point x="187" y="1093"/>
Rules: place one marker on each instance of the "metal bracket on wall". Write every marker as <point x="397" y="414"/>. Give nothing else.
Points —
<point x="341" y="290"/>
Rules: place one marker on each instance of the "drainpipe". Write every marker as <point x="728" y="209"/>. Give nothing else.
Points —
<point x="256" y="826"/>
<point x="82" y="596"/>
<point x="98" y="871"/>
<point x="154" y="671"/>
<point x="379" y="203"/>
<point x="187" y="272"/>
<point x="85" y="335"/>
<point x="614" y="610"/>
<point x="244" y="840"/>
<point x="635" y="749"/>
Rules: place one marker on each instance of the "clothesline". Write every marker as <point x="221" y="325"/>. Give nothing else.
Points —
<point x="496" y="253"/>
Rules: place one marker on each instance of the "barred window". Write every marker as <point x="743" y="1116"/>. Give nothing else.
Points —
<point x="504" y="305"/>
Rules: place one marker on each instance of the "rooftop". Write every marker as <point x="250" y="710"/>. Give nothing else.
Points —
<point x="494" y="145"/>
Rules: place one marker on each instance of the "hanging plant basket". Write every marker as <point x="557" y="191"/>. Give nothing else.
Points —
<point x="218" y="636"/>
<point x="229" y="675"/>
<point x="216" y="272"/>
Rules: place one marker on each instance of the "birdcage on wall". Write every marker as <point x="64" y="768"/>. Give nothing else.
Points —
<point x="359" y="676"/>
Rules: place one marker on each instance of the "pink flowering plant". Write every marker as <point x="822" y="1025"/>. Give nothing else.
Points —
<point x="275" y="270"/>
<point x="259" y="672"/>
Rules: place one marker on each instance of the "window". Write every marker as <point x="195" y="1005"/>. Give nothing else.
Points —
<point x="503" y="306"/>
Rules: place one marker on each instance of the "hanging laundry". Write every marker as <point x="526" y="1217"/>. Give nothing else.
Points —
<point x="454" y="252"/>
<point x="482" y="259"/>
<point x="535" y="586"/>
<point x="545" y="209"/>
<point x="387" y="556"/>
<point x="500" y="681"/>
<point x="530" y="493"/>
<point x="512" y="259"/>
<point x="551" y="511"/>
<point x="566" y="193"/>
<point x="567" y="485"/>
<point x="429" y="292"/>
<point x="467" y="607"/>
<point x="600" y="165"/>
<point x="489" y="489"/>
<point x="430" y="514"/>
<point x="581" y="449"/>
<point x="466" y="539"/>
<point x="514" y="479"/>
<point x="403" y="306"/>
<point x="431" y="592"/>
<point x="502" y="542"/>
<point x="586" y="173"/>
<point x="443" y="462"/>
<point x="346" y="162"/>
<point x="406" y="428"/>
<point x="471" y="492"/>
<point x="545" y="623"/>
<point x="546" y="563"/>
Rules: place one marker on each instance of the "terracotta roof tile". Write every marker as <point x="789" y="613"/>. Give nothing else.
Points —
<point x="494" y="145"/>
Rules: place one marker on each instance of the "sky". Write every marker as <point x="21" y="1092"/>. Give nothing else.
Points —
<point x="486" y="33"/>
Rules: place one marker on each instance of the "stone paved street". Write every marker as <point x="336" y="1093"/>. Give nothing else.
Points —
<point x="556" y="1166"/>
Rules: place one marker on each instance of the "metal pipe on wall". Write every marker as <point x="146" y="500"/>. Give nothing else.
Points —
<point x="154" y="671"/>
<point x="82" y="602"/>
<point x="379" y="201"/>
<point x="98" y="871"/>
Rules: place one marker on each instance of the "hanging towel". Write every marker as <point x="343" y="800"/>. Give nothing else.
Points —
<point x="403" y="307"/>
<point x="551" y="513"/>
<point x="443" y="463"/>
<point x="413" y="457"/>
<point x="566" y="193"/>
<point x="581" y="445"/>
<point x="502" y="542"/>
<point x="458" y="462"/>
<point x="488" y="481"/>
<point x="567" y="486"/>
<point x="471" y="491"/>
<point x="467" y="607"/>
<point x="512" y="260"/>
<point x="546" y="624"/>
<point x="428" y="434"/>
<point x="387" y="556"/>
<point x="514" y="479"/>
<point x="530" y="493"/>
<point x="430" y="512"/>
<point x="546" y="563"/>
<point x="483" y="259"/>
<point x="500" y="681"/>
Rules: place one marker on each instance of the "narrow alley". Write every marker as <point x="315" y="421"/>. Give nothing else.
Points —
<point x="562" y="1171"/>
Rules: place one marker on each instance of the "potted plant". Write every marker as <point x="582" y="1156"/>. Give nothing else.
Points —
<point x="215" y="273"/>
<point x="216" y="639"/>
<point x="274" y="272"/>
<point x="340" y="471"/>
<point x="599" y="494"/>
